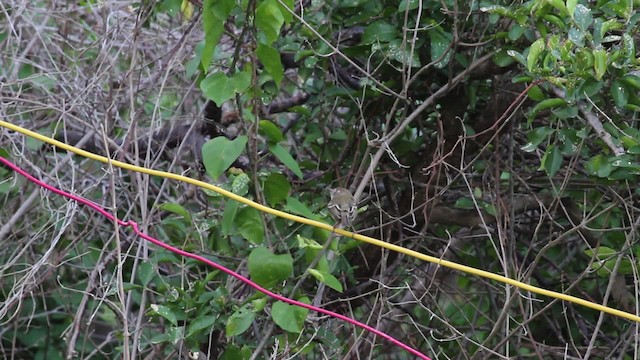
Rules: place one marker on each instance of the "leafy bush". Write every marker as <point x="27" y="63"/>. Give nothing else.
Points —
<point x="496" y="134"/>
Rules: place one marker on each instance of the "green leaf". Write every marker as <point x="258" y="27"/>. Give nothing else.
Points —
<point x="402" y="54"/>
<point x="549" y="63"/>
<point x="606" y="259"/>
<point x="228" y="216"/>
<point x="295" y="206"/>
<point x="171" y="336"/>
<point x="4" y="153"/>
<point x="283" y="155"/>
<point x="259" y="303"/>
<point x="220" y="88"/>
<point x="619" y="93"/>
<point x="304" y="242"/>
<point x="546" y="104"/>
<point x="559" y="5"/>
<point x="276" y="188"/>
<point x="34" y="144"/>
<point x="605" y="267"/>
<point x="603" y="253"/>
<point x="490" y="209"/>
<point x="535" y="93"/>
<point x="534" y="53"/>
<point x="583" y="59"/>
<point x="582" y="16"/>
<point x="249" y="225"/>
<point x="269" y="20"/>
<point x="629" y="142"/>
<point x="232" y="352"/>
<point x="515" y="32"/>
<point x="164" y="312"/>
<point x="543" y="27"/>
<point x="326" y="278"/>
<point x="590" y="87"/>
<point x="440" y="43"/>
<point x="214" y="15"/>
<point x="34" y="337"/>
<point x="288" y="317"/>
<point x="286" y="14"/>
<point x="268" y="269"/>
<point x="219" y="153"/>
<point x="600" y="62"/>
<point x="323" y="263"/>
<point x="239" y="321"/>
<point x="270" y="58"/>
<point x="555" y="48"/>
<point x="146" y="272"/>
<point x="571" y="7"/>
<point x="240" y="184"/>
<point x="632" y="81"/>
<point x="629" y="46"/>
<point x="552" y="160"/>
<point x="502" y="58"/>
<point x="200" y="323"/>
<point x="599" y="166"/>
<point x="576" y="37"/>
<point x="338" y="134"/>
<point x="379" y="31"/>
<point x="270" y="130"/>
<point x="555" y="20"/>
<point x="517" y="56"/>
<point x="624" y="161"/>
<point x="408" y="5"/>
<point x="464" y="203"/>
<point x="570" y="141"/>
<point x="193" y="65"/>
<point x="498" y="10"/>
<point x="177" y="209"/>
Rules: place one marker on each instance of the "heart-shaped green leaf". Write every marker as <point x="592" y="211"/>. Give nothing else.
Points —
<point x="269" y="269"/>
<point x="240" y="321"/>
<point x="289" y="317"/>
<point x="220" y="88"/>
<point x="218" y="154"/>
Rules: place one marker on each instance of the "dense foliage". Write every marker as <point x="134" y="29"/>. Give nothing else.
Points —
<point x="501" y="135"/>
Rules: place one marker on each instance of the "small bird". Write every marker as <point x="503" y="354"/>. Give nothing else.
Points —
<point x="342" y="206"/>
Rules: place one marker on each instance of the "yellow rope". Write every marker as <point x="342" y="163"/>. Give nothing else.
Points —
<point x="363" y="238"/>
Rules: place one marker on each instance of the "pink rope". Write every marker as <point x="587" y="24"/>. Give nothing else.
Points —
<point x="157" y="242"/>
